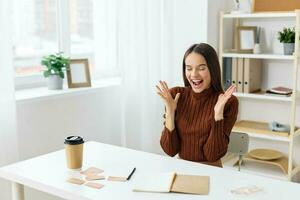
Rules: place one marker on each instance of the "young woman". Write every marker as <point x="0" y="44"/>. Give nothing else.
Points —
<point x="199" y="117"/>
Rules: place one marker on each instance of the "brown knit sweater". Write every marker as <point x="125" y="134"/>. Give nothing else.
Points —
<point x="197" y="136"/>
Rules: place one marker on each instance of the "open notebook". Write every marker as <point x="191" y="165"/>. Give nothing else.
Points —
<point x="172" y="182"/>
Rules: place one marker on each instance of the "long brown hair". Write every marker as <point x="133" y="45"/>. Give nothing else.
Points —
<point x="212" y="61"/>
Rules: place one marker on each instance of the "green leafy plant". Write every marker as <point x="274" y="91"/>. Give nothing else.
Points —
<point x="55" y="64"/>
<point x="287" y="35"/>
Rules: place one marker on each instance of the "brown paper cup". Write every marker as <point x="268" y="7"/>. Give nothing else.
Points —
<point x="74" y="153"/>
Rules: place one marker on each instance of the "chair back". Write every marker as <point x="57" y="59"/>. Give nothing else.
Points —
<point x="238" y="143"/>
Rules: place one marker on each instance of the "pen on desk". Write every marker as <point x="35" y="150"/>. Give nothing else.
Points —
<point x="131" y="174"/>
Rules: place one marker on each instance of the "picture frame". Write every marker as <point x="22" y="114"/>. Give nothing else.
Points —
<point x="246" y="36"/>
<point x="78" y="73"/>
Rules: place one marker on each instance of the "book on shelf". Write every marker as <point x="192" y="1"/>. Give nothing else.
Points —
<point x="281" y="90"/>
<point x="172" y="182"/>
<point x="268" y="92"/>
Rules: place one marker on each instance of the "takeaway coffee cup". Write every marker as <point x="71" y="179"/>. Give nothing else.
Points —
<point x="74" y="151"/>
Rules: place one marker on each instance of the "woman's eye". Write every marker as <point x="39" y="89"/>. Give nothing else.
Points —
<point x="202" y="68"/>
<point x="188" y="69"/>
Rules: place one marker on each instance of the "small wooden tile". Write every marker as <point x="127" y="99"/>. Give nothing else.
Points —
<point x="76" y="181"/>
<point x="116" y="178"/>
<point x="94" y="185"/>
<point x="91" y="177"/>
<point x="92" y="170"/>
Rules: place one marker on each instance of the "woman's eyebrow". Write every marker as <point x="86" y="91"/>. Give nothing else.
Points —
<point x="203" y="64"/>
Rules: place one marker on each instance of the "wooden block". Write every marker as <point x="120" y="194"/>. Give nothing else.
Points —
<point x="92" y="170"/>
<point x="76" y="181"/>
<point x="94" y="185"/>
<point x="116" y="178"/>
<point x="94" y="177"/>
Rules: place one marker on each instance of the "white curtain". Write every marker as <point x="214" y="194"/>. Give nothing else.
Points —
<point x="153" y="35"/>
<point x="8" y="131"/>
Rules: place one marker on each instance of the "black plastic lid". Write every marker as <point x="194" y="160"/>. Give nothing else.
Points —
<point x="72" y="140"/>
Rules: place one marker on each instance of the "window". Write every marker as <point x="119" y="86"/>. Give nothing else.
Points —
<point x="82" y="30"/>
<point x="50" y="26"/>
<point x="34" y="34"/>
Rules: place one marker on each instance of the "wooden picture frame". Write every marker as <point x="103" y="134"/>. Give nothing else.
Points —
<point x="246" y="36"/>
<point x="78" y="73"/>
<point x="275" y="5"/>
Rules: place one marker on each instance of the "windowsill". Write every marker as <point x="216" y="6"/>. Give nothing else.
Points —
<point x="44" y="93"/>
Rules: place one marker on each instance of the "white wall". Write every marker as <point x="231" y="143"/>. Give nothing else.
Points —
<point x="43" y="124"/>
<point x="188" y="28"/>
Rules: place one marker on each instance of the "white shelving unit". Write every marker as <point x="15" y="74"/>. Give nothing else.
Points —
<point x="251" y="127"/>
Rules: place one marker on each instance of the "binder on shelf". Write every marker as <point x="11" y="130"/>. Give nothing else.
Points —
<point x="227" y="68"/>
<point x="240" y="76"/>
<point x="252" y="75"/>
<point x="234" y="71"/>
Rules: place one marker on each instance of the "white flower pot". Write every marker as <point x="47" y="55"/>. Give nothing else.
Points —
<point x="288" y="48"/>
<point x="55" y="82"/>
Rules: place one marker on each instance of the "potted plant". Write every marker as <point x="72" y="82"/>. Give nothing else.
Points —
<point x="55" y="65"/>
<point x="287" y="37"/>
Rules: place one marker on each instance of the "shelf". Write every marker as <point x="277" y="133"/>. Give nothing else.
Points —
<point x="261" y="15"/>
<point x="263" y="96"/>
<point x="260" y="130"/>
<point x="258" y="56"/>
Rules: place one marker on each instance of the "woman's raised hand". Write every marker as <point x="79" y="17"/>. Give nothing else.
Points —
<point x="222" y="100"/>
<point x="169" y="101"/>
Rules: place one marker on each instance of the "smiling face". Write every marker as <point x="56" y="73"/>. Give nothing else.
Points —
<point x="197" y="72"/>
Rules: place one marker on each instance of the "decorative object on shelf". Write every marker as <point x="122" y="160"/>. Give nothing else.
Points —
<point x="78" y="73"/>
<point x="246" y="38"/>
<point x="287" y="37"/>
<point x="281" y="162"/>
<point x="275" y="5"/>
<point x="55" y="65"/>
<point x="280" y="91"/>
<point x="265" y="154"/>
<point x="241" y="6"/>
<point x="275" y="126"/>
<point x="257" y="49"/>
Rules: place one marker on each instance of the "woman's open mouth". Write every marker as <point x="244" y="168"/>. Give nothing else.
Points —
<point x="197" y="83"/>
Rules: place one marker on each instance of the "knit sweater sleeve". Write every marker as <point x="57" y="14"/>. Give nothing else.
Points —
<point x="218" y="139"/>
<point x="170" y="141"/>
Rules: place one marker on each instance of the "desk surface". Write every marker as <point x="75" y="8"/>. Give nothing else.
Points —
<point x="48" y="173"/>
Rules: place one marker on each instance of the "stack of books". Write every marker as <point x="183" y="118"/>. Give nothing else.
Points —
<point x="280" y="91"/>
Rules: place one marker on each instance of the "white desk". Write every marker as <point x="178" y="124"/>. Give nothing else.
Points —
<point x="48" y="173"/>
